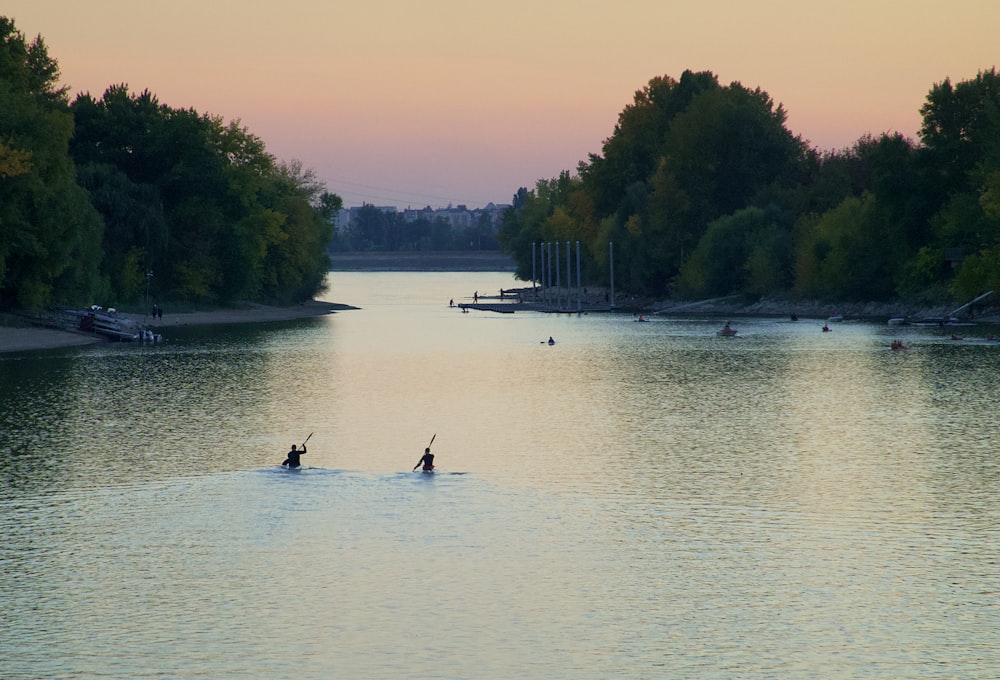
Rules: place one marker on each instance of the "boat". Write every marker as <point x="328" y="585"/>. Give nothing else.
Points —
<point x="727" y="331"/>
<point x="108" y="323"/>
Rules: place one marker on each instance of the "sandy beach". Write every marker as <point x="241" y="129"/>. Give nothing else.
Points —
<point x="22" y="338"/>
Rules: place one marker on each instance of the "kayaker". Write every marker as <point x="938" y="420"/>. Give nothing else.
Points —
<point x="292" y="460"/>
<point x="427" y="460"/>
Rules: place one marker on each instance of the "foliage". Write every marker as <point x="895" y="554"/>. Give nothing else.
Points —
<point x="50" y="244"/>
<point x="705" y="192"/>
<point x="216" y="218"/>
<point x="376" y="230"/>
<point x="701" y="188"/>
<point x="122" y="197"/>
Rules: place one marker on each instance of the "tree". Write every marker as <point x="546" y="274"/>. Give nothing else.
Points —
<point x="845" y="252"/>
<point x="684" y="153"/>
<point x="959" y="127"/>
<point x="746" y="252"/>
<point x="50" y="245"/>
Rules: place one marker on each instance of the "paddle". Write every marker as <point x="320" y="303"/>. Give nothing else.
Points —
<point x="428" y="446"/>
<point x="307" y="439"/>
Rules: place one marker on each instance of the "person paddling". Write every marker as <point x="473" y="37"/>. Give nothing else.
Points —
<point x="427" y="460"/>
<point x="292" y="459"/>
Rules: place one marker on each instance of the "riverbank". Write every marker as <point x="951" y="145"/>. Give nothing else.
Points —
<point x="424" y="261"/>
<point x="250" y="314"/>
<point x="598" y="298"/>
<point x="19" y="335"/>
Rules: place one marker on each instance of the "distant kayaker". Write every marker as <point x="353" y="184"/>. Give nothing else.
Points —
<point x="292" y="460"/>
<point x="427" y="460"/>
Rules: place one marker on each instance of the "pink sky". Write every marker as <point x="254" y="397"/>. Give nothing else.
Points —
<point x="406" y="103"/>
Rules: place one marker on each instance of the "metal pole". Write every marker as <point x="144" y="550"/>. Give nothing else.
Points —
<point x="533" y="279"/>
<point x="541" y="280"/>
<point x="579" y="288"/>
<point x="569" y="278"/>
<point x="558" y="280"/>
<point x="548" y="258"/>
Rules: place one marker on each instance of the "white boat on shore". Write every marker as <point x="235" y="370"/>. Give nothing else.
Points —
<point x="108" y="323"/>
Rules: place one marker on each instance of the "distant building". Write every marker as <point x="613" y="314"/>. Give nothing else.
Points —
<point x="458" y="217"/>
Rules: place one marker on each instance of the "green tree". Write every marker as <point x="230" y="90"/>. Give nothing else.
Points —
<point x="844" y="250"/>
<point x="200" y="203"/>
<point x="959" y="127"/>
<point x="49" y="234"/>
<point x="748" y="252"/>
<point x="685" y="153"/>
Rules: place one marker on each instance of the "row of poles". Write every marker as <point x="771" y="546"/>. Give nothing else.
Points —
<point x="549" y="252"/>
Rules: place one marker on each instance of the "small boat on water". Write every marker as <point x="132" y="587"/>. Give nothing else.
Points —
<point x="727" y="331"/>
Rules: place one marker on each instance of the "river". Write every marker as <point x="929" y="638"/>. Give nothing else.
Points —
<point x="637" y="500"/>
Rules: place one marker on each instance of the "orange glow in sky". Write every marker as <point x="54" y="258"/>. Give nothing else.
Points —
<point x="399" y="102"/>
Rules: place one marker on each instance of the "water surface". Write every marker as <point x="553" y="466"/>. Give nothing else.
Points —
<point x="639" y="500"/>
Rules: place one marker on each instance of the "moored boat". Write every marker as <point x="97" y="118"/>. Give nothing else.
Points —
<point x="108" y="323"/>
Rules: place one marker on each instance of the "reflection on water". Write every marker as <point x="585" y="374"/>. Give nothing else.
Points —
<point x="638" y="500"/>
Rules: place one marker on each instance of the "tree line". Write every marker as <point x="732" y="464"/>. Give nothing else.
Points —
<point x="122" y="199"/>
<point x="376" y="230"/>
<point x="705" y="192"/>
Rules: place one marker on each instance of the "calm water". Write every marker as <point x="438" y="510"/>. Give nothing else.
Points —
<point x="641" y="500"/>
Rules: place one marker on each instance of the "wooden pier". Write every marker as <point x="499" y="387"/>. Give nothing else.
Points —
<point x="540" y="307"/>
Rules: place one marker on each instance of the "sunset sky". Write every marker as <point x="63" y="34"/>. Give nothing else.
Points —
<point x="406" y="103"/>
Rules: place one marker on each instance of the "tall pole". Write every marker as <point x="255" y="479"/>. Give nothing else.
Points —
<point x="569" y="278"/>
<point x="541" y="281"/>
<point x="579" y="288"/>
<point x="611" y="250"/>
<point x="548" y="257"/>
<point x="558" y="280"/>
<point x="533" y="279"/>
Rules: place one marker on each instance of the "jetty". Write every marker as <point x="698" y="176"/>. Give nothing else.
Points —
<point x="550" y="301"/>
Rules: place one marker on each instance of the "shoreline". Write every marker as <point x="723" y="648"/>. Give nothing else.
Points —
<point x="24" y="338"/>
